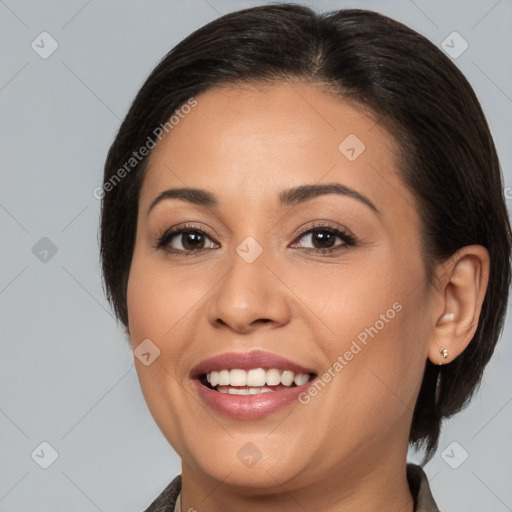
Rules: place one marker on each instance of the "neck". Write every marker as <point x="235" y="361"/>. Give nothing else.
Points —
<point x="381" y="485"/>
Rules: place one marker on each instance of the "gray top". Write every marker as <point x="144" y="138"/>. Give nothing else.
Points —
<point x="168" y="501"/>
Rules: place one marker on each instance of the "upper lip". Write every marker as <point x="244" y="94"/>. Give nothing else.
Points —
<point x="246" y="361"/>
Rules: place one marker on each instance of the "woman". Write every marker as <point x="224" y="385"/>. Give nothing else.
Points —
<point x="304" y="234"/>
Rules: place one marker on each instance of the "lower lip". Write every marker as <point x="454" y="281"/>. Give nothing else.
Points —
<point x="249" y="406"/>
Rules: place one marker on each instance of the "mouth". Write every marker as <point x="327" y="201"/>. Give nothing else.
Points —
<point x="254" y="381"/>
<point x="250" y="385"/>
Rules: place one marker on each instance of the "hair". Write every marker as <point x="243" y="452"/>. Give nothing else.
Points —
<point x="447" y="156"/>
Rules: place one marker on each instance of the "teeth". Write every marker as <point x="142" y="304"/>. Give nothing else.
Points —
<point x="301" y="378"/>
<point x="254" y="379"/>
<point x="224" y="378"/>
<point x="273" y="377"/>
<point x="243" y="391"/>
<point x="236" y="391"/>
<point x="287" y="378"/>
<point x="237" y="378"/>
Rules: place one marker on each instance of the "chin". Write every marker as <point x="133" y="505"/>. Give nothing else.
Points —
<point x="251" y="462"/>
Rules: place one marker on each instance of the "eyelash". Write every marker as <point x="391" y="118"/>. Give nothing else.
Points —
<point x="348" y="239"/>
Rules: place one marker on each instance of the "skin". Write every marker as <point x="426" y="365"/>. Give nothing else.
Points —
<point x="346" y="449"/>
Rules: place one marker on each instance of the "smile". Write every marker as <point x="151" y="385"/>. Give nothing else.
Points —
<point x="249" y="385"/>
<point x="253" y="381"/>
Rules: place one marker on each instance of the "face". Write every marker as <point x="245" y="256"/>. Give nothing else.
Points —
<point x="298" y="266"/>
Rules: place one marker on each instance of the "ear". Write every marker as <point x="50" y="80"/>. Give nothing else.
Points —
<point x="462" y="285"/>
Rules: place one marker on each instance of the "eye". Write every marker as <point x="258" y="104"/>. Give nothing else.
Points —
<point x="185" y="240"/>
<point x="324" y="239"/>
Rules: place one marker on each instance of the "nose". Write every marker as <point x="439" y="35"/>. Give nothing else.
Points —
<point x="249" y="297"/>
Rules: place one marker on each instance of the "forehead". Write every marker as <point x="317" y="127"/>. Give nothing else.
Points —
<point x="245" y="140"/>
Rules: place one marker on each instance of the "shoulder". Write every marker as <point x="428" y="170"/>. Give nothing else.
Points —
<point x="420" y="489"/>
<point x="166" y="500"/>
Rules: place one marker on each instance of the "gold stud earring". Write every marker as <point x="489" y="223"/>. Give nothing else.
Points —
<point x="444" y="353"/>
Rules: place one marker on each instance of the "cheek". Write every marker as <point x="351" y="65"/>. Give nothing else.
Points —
<point x="385" y="355"/>
<point x="156" y="304"/>
<point x="143" y="306"/>
<point x="374" y="327"/>
<point x="158" y="300"/>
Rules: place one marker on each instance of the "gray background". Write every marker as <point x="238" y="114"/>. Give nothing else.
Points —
<point x="66" y="372"/>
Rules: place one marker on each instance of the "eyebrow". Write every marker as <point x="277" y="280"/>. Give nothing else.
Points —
<point x="306" y="192"/>
<point x="191" y="195"/>
<point x="290" y="196"/>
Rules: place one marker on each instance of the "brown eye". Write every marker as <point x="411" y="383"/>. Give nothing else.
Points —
<point x="191" y="240"/>
<point x="185" y="241"/>
<point x="324" y="239"/>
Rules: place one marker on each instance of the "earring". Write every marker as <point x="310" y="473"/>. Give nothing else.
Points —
<point x="444" y="353"/>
